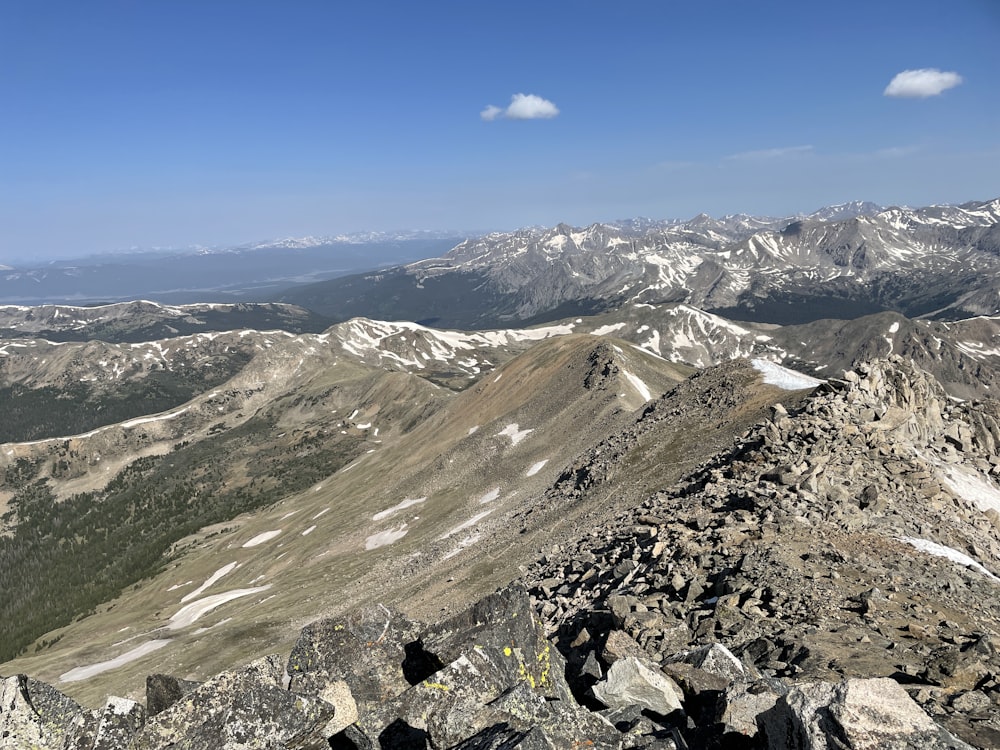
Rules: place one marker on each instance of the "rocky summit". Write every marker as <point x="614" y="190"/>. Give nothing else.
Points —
<point x="826" y="580"/>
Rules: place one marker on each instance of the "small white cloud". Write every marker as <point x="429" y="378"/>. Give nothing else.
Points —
<point x="522" y="107"/>
<point x="772" y="153"/>
<point x="920" y="84"/>
<point x="491" y="113"/>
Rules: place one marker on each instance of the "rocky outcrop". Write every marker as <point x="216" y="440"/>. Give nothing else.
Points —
<point x="504" y="688"/>
<point x="854" y="536"/>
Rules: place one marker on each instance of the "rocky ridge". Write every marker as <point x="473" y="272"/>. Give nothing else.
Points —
<point x="854" y="537"/>
<point x="828" y="581"/>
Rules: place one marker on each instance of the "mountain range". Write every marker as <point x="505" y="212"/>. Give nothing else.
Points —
<point x="939" y="262"/>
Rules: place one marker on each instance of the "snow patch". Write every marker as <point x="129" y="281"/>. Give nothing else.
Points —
<point x="261" y="538"/>
<point x="465" y="543"/>
<point x="190" y="613"/>
<point x="408" y="502"/>
<point x="971" y="485"/>
<point x="514" y="432"/>
<point x="535" y="468"/>
<point x="83" y="673"/>
<point x="224" y="570"/>
<point x="384" y="538"/>
<point x="468" y="524"/>
<point x="894" y="327"/>
<point x="940" y="550"/>
<point x="605" y="330"/>
<point x="490" y="496"/>
<point x="639" y="386"/>
<point x="309" y="531"/>
<point x="789" y="380"/>
<point x="473" y="429"/>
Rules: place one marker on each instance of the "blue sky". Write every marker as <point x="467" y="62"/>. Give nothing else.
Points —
<point x="144" y="123"/>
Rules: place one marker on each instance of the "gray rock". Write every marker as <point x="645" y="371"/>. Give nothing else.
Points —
<point x="564" y="722"/>
<point x="715" y="659"/>
<point x="504" y="626"/>
<point x="34" y="715"/>
<point x="366" y="649"/>
<point x="237" y="710"/>
<point x="743" y="702"/>
<point x="444" y="709"/>
<point x="859" y="714"/>
<point x="120" y="720"/>
<point x="631" y="681"/>
<point x="503" y="737"/>
<point x="162" y="691"/>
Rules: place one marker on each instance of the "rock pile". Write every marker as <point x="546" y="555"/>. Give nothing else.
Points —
<point x="852" y="538"/>
<point x="484" y="680"/>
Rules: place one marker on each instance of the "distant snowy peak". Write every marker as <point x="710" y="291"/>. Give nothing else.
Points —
<point x="356" y="238"/>
<point x="843" y="211"/>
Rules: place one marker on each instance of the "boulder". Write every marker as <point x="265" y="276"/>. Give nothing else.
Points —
<point x="857" y="714"/>
<point x="35" y="715"/>
<point x="715" y="659"/>
<point x="120" y="720"/>
<point x="443" y="709"/>
<point x="366" y="650"/>
<point x="633" y="682"/>
<point x="742" y="702"/>
<point x="240" y="709"/>
<point x="503" y="737"/>
<point x="563" y="722"/>
<point x="504" y="626"/>
<point x="163" y="691"/>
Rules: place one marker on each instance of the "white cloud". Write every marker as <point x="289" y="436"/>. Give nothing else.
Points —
<point x="921" y="83"/>
<point x="772" y="153"/>
<point x="491" y="113"/>
<point x="522" y="107"/>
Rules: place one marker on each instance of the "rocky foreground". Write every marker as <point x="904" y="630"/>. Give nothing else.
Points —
<point x="829" y="582"/>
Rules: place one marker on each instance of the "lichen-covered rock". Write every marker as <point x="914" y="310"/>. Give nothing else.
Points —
<point x="239" y="710"/>
<point x="503" y="737"/>
<point x="34" y="715"/>
<point x="445" y="708"/>
<point x="505" y="626"/>
<point x="366" y="649"/>
<point x="563" y="722"/>
<point x="859" y="714"/>
<point x="120" y="720"/>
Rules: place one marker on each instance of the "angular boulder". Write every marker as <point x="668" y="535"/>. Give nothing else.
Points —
<point x="241" y="709"/>
<point x="857" y="714"/>
<point x="163" y="691"/>
<point x="631" y="681"/>
<point x="360" y="657"/>
<point x="35" y="715"/>
<point x="504" y="626"/>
